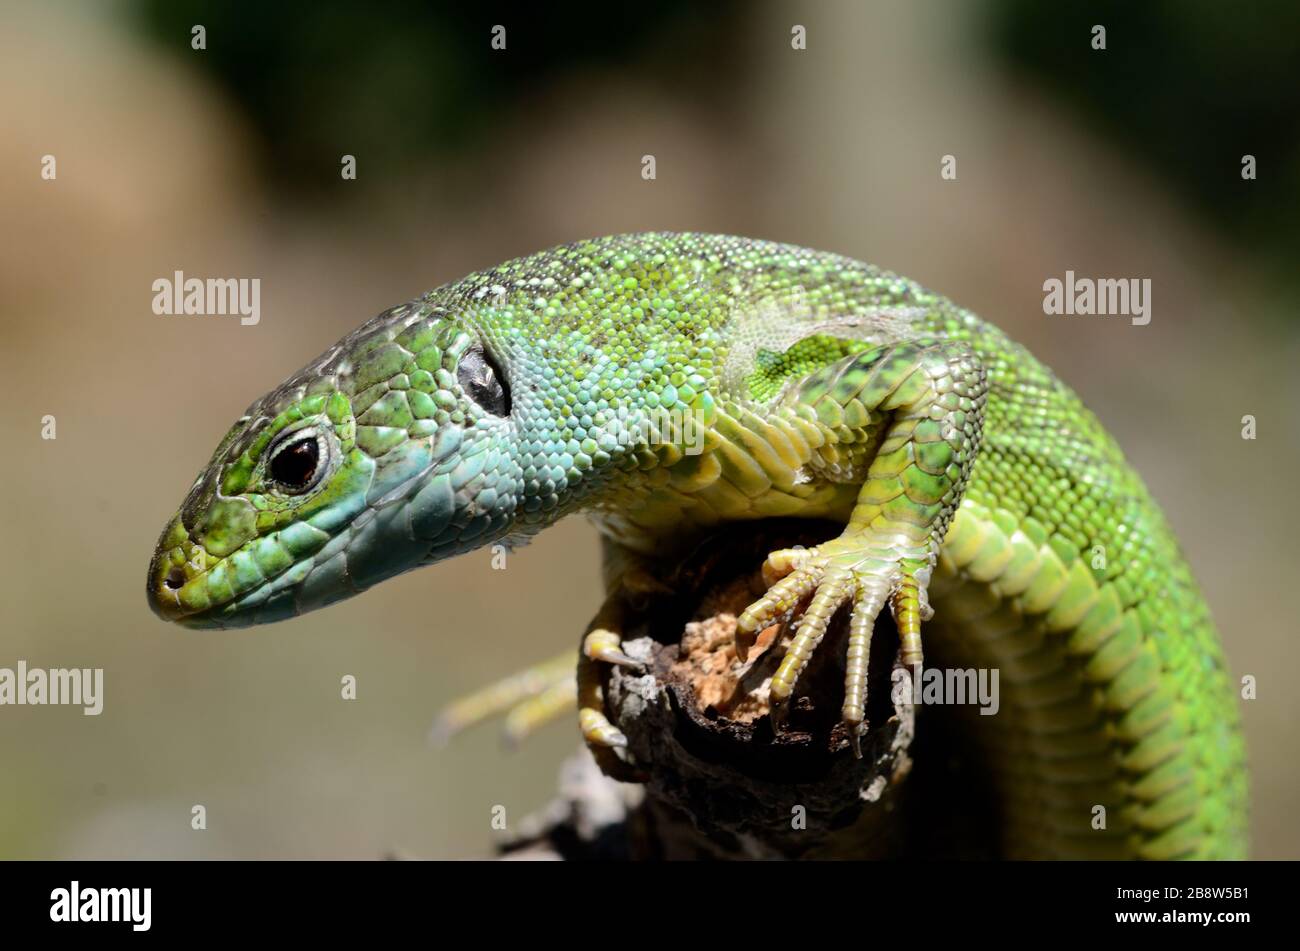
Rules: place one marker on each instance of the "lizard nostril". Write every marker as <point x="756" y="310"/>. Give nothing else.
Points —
<point x="175" y="578"/>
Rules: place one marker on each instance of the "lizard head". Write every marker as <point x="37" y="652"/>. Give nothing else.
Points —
<point x="393" y="449"/>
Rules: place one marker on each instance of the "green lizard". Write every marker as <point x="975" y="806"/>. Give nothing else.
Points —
<point x="966" y="477"/>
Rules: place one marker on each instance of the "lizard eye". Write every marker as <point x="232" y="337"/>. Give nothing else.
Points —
<point x="295" y="466"/>
<point x="483" y="382"/>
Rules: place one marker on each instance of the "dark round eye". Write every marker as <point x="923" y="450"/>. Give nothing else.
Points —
<point x="294" y="466"/>
<point x="483" y="382"/>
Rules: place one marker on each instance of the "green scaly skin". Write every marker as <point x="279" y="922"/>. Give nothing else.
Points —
<point x="959" y="466"/>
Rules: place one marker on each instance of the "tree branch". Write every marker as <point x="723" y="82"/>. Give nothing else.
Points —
<point x="719" y="783"/>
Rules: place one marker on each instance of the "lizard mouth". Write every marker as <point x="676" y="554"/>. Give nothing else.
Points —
<point x="176" y="589"/>
<point x="190" y="587"/>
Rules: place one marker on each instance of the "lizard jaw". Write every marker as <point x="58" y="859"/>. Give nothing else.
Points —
<point x="179" y="588"/>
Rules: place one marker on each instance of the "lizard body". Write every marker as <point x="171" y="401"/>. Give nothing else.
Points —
<point x="968" y="479"/>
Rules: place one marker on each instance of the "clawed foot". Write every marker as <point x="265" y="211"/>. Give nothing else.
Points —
<point x="525" y="700"/>
<point x="605" y="741"/>
<point x="543" y="693"/>
<point x="862" y="572"/>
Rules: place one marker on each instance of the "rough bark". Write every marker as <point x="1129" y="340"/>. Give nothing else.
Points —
<point x="719" y="782"/>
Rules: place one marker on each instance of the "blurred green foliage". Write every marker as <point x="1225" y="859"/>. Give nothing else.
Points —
<point x="1185" y="86"/>
<point x="396" y="82"/>
<point x="1189" y="87"/>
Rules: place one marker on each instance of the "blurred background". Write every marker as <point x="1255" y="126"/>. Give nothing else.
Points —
<point x="226" y="162"/>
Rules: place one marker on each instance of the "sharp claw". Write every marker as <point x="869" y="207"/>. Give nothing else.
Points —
<point x="848" y="569"/>
<point x="856" y="732"/>
<point x="603" y="645"/>
<point x="744" y="640"/>
<point x="610" y="738"/>
<point x="598" y="731"/>
<point x="747" y="630"/>
<point x="621" y="659"/>
<point x="779" y="714"/>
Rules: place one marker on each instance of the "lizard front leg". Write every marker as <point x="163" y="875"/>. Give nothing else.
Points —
<point x="527" y="700"/>
<point x="927" y="397"/>
<point x="544" y="692"/>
